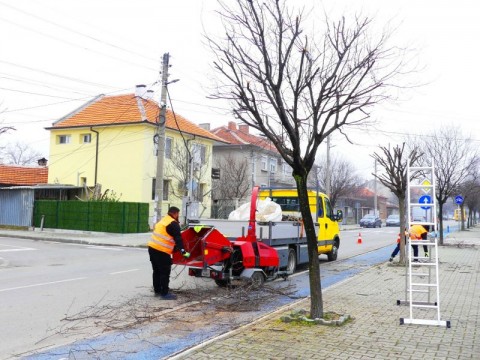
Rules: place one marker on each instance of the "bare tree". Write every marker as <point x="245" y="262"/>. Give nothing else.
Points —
<point x="234" y="182"/>
<point x="20" y="154"/>
<point x="343" y="178"/>
<point x="394" y="163"/>
<point x="297" y="89"/>
<point x="454" y="159"/>
<point x="5" y="129"/>
<point x="470" y="190"/>
<point x="188" y="170"/>
<point x="472" y="201"/>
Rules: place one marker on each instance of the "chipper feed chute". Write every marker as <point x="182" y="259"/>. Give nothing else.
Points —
<point x="206" y="245"/>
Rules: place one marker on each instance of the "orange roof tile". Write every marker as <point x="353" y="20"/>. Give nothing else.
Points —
<point x="237" y="136"/>
<point x="124" y="109"/>
<point x="11" y="175"/>
<point x="365" y="192"/>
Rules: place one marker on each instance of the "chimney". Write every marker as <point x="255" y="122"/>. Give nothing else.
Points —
<point x="232" y="125"/>
<point x="42" y="162"/>
<point x="205" y="126"/>
<point x="140" y="91"/>
<point x="149" y="95"/>
<point x="243" y="128"/>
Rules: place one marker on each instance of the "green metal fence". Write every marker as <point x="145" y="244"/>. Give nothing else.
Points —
<point x="114" y="217"/>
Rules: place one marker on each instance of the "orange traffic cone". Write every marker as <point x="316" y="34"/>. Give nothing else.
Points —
<point x="359" y="241"/>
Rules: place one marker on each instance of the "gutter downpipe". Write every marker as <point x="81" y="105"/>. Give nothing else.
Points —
<point x="96" y="153"/>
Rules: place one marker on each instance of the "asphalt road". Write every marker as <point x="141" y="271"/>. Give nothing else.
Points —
<point x="55" y="293"/>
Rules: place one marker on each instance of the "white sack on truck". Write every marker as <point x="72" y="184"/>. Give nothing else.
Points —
<point x="267" y="210"/>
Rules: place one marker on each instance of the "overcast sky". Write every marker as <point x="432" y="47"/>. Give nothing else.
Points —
<point x="57" y="54"/>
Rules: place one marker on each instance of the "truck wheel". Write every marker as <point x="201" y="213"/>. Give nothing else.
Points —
<point x="332" y="255"/>
<point x="257" y="280"/>
<point x="291" y="261"/>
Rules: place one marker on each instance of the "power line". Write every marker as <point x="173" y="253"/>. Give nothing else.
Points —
<point x="36" y="31"/>
<point x="60" y="102"/>
<point x="37" y="94"/>
<point x="76" y="32"/>
<point x="44" y="84"/>
<point x="57" y="75"/>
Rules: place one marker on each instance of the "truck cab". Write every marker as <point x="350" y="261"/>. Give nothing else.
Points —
<point x="326" y="222"/>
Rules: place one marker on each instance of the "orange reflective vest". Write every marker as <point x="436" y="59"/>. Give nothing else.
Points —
<point x="416" y="232"/>
<point x="161" y="240"/>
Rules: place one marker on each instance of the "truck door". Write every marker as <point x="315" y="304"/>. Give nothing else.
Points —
<point x="322" y="226"/>
<point x="330" y="224"/>
<point x="327" y="226"/>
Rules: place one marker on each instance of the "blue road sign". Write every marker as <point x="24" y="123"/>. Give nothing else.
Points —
<point x="425" y="199"/>
<point x="458" y="200"/>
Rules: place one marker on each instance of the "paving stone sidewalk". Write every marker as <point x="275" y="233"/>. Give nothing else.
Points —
<point x="375" y="333"/>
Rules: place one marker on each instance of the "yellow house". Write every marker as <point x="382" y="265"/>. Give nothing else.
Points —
<point x="111" y="142"/>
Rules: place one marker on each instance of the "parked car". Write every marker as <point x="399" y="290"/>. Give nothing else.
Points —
<point x="371" y="220"/>
<point x="393" y="220"/>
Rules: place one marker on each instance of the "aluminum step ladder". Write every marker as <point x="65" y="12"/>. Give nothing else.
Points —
<point x="422" y="288"/>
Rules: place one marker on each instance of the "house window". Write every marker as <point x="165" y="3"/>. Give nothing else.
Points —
<point x="63" y="139"/>
<point x="86" y="138"/>
<point x="285" y="169"/>
<point x="166" y="187"/>
<point x="264" y="163"/>
<point x="273" y="165"/>
<point x="168" y="147"/>
<point x="199" y="154"/>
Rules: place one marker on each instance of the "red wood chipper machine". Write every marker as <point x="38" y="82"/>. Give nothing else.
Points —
<point x="213" y="255"/>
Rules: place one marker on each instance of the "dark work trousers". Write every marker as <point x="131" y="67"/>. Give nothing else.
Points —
<point x="161" y="265"/>
<point x="395" y="251"/>
<point x="415" y="249"/>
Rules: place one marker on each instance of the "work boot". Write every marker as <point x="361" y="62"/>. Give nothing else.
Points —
<point x="168" y="297"/>
<point x="391" y="259"/>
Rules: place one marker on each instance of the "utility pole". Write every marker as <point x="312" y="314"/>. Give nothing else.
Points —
<point x="327" y="174"/>
<point x="375" y="190"/>
<point x="161" y="139"/>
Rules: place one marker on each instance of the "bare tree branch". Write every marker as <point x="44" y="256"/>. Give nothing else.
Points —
<point x="297" y="89"/>
<point x="455" y="158"/>
<point x="394" y="176"/>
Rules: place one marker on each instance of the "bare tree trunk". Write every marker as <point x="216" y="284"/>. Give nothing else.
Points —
<point x="316" y="300"/>
<point x="401" y="207"/>
<point x="440" y="223"/>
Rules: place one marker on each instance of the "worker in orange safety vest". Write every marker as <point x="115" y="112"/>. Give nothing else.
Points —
<point x="166" y="238"/>
<point x="418" y="232"/>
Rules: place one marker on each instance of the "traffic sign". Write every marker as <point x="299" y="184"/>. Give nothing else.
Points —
<point x="425" y="199"/>
<point x="458" y="200"/>
<point x="428" y="186"/>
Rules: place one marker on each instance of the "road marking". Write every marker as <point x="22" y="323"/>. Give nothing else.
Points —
<point x="123" y="272"/>
<point x="22" y="249"/>
<point x="112" y="248"/>
<point x="42" y="284"/>
<point x="15" y="248"/>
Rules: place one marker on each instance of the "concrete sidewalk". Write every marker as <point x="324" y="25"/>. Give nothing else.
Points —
<point x="80" y="237"/>
<point x="375" y="333"/>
